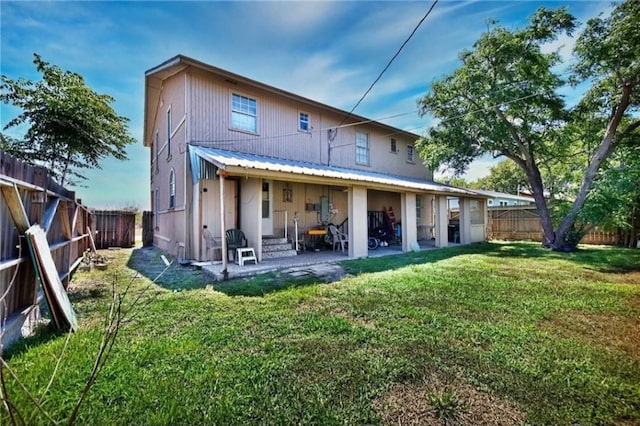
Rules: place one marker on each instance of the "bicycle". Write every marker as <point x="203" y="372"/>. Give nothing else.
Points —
<point x="380" y="241"/>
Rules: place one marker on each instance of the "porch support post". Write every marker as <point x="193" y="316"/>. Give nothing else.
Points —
<point x="223" y="226"/>
<point x="358" y="222"/>
<point x="409" y="224"/>
<point x="487" y="226"/>
<point x="465" y="220"/>
<point x="195" y="250"/>
<point x="442" y="221"/>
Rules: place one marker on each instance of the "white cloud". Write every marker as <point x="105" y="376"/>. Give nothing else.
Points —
<point x="477" y="169"/>
<point x="563" y="45"/>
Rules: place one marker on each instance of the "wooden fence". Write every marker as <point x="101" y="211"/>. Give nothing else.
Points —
<point x="114" y="228"/>
<point x="30" y="196"/>
<point x="147" y="228"/>
<point x="522" y="223"/>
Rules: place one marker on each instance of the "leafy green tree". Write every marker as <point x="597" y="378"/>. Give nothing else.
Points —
<point x="71" y="127"/>
<point x="505" y="176"/>
<point x="456" y="181"/>
<point x="503" y="100"/>
<point x="614" y="202"/>
<point x="15" y="147"/>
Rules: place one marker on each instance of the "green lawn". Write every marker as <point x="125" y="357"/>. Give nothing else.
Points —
<point x="485" y="334"/>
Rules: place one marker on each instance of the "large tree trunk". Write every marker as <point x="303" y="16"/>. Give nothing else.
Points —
<point x="634" y="232"/>
<point x="537" y="188"/>
<point x="605" y="148"/>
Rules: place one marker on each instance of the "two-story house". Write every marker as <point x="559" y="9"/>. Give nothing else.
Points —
<point x="230" y="152"/>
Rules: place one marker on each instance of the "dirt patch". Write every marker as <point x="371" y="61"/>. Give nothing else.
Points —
<point x="605" y="331"/>
<point x="428" y="403"/>
<point x="362" y="321"/>
<point x="632" y="278"/>
<point x="326" y="272"/>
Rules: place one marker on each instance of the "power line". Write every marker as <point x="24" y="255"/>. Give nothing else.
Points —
<point x="469" y="112"/>
<point x="359" y="123"/>
<point x="390" y="62"/>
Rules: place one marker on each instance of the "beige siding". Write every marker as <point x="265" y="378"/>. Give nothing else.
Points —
<point x="170" y="231"/>
<point x="376" y="200"/>
<point x="303" y="194"/>
<point x="278" y="134"/>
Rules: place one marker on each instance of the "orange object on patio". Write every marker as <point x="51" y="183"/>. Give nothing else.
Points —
<point x="317" y="232"/>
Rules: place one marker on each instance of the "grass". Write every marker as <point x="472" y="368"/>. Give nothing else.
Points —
<point x="489" y="333"/>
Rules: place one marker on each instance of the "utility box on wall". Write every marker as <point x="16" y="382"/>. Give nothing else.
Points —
<point x="324" y="209"/>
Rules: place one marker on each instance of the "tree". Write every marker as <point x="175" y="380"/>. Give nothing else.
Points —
<point x="505" y="176"/>
<point x="615" y="199"/>
<point x="456" y="181"/>
<point x="503" y="100"/>
<point x="71" y="127"/>
<point x="16" y="148"/>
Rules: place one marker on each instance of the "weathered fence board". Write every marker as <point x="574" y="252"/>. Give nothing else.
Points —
<point x="147" y="228"/>
<point x="522" y="223"/>
<point x="114" y="228"/>
<point x="27" y="192"/>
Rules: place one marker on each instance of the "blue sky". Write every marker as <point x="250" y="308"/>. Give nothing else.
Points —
<point x="327" y="51"/>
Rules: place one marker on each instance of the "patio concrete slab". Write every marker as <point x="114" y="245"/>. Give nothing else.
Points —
<point x="306" y="262"/>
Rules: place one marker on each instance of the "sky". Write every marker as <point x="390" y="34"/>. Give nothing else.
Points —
<point x="328" y="51"/>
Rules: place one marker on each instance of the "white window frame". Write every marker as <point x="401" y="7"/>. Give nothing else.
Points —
<point x="300" y="121"/>
<point x="363" y="151"/>
<point x="393" y="146"/>
<point x="169" y="132"/>
<point x="411" y="154"/>
<point x="242" y="113"/>
<point x="172" y="189"/>
<point x="156" y="209"/>
<point x="156" y="144"/>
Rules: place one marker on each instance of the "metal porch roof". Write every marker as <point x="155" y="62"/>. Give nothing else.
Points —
<point x="227" y="159"/>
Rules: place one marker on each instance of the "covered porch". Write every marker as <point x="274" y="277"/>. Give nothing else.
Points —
<point x="270" y="197"/>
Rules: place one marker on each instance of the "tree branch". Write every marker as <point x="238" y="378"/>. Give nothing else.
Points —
<point x="514" y="134"/>
<point x="630" y="128"/>
<point x="605" y="148"/>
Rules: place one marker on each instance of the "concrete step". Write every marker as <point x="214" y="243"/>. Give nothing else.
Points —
<point x="273" y="241"/>
<point x="276" y="247"/>
<point x="277" y="254"/>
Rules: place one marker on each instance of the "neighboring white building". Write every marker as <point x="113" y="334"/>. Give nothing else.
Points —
<point x="502" y="199"/>
<point x="497" y="199"/>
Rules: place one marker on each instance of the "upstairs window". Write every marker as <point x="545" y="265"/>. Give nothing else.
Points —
<point x="303" y="122"/>
<point x="362" y="148"/>
<point x="169" y="133"/>
<point x="156" y="146"/>
<point x="244" y="113"/>
<point x="410" y="154"/>
<point x="156" y="207"/>
<point x="172" y="189"/>
<point x="394" y="146"/>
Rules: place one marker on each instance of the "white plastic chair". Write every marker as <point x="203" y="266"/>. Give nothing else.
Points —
<point x="338" y="237"/>
<point x="211" y="242"/>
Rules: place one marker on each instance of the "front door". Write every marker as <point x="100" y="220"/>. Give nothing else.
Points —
<point x="230" y="203"/>
<point x="267" y="207"/>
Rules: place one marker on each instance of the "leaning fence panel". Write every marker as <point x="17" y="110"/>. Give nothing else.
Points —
<point x="29" y="196"/>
